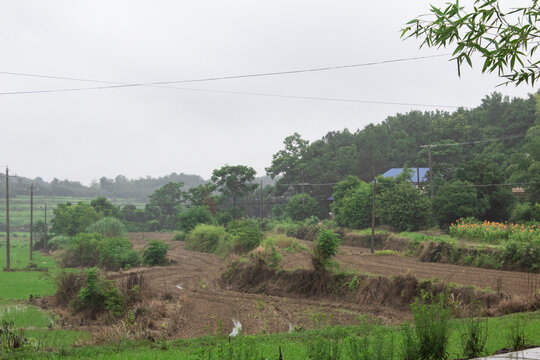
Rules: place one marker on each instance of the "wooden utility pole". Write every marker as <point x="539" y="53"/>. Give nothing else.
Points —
<point x="303" y="183"/>
<point x="261" y="205"/>
<point x="430" y="172"/>
<point x="373" y="216"/>
<point x="45" y="231"/>
<point x="31" y="220"/>
<point x="8" y="255"/>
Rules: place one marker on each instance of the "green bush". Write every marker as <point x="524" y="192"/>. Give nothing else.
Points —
<point x="117" y="253"/>
<point x="155" y="253"/>
<point x="99" y="295"/>
<point x="108" y="227"/>
<point x="301" y="206"/>
<point x="474" y="337"/>
<point x="326" y="247"/>
<point x="206" y="238"/>
<point x="524" y="212"/>
<point x="71" y="219"/>
<point x="84" y="251"/>
<point x="353" y="210"/>
<point x="246" y="233"/>
<point x="402" y="206"/>
<point x="191" y="217"/>
<point x="59" y="242"/>
<point x="455" y="200"/>
<point x="94" y="250"/>
<point x="432" y="328"/>
<point x="519" y="255"/>
<point x="179" y="236"/>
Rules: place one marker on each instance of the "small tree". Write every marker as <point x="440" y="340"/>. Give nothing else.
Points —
<point x="401" y="205"/>
<point x="301" y="206"/>
<point x="70" y="219"/>
<point x="191" y="217"/>
<point x="455" y="200"/>
<point x="164" y="204"/>
<point x="247" y="234"/>
<point x="352" y="207"/>
<point x="155" y="253"/>
<point x="327" y="245"/>
<point x="108" y="227"/>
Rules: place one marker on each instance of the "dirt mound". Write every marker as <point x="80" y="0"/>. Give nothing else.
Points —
<point x="381" y="241"/>
<point x="397" y="292"/>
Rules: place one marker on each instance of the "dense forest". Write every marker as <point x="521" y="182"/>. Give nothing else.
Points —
<point x="490" y="137"/>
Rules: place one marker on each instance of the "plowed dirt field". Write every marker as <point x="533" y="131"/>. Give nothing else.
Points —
<point x="192" y="280"/>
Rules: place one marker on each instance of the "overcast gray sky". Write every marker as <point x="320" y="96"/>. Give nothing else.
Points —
<point x="154" y="131"/>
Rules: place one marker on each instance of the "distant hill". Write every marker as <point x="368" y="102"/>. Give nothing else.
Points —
<point x="119" y="187"/>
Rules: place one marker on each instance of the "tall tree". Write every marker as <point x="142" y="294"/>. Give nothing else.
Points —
<point x="165" y="200"/>
<point x="234" y="181"/>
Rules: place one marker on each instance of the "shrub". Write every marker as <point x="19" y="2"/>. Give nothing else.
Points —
<point x="284" y="242"/>
<point x="117" y="253"/>
<point x="455" y="200"/>
<point x="474" y="337"/>
<point x="432" y="327"/>
<point x="353" y="210"/>
<point x="59" y="242"/>
<point x="521" y="255"/>
<point x="68" y="285"/>
<point x="403" y="206"/>
<point x="12" y="339"/>
<point x="246" y="233"/>
<point x="99" y="295"/>
<point x="326" y="247"/>
<point x="206" y="238"/>
<point x="84" y="251"/>
<point x="301" y="206"/>
<point x="93" y="250"/>
<point x="516" y="333"/>
<point x="108" y="227"/>
<point x="155" y="253"/>
<point x="179" y="236"/>
<point x="187" y="220"/>
<point x="70" y="219"/>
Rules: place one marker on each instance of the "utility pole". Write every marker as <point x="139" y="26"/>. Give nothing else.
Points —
<point x="261" y="205"/>
<point x="45" y="230"/>
<point x="373" y="215"/>
<point x="8" y="255"/>
<point x="430" y="174"/>
<point x="303" y="183"/>
<point x="31" y="220"/>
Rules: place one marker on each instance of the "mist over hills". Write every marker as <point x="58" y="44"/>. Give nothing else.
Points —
<point x="119" y="187"/>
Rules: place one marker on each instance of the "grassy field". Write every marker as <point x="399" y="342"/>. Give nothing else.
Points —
<point x="19" y="209"/>
<point x="37" y="280"/>
<point x="382" y="340"/>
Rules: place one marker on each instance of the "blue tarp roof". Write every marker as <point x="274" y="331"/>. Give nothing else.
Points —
<point x="394" y="172"/>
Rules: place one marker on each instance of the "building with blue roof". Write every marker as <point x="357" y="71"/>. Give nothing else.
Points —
<point x="422" y="173"/>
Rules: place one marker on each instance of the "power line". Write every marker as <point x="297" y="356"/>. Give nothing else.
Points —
<point x="474" y="142"/>
<point x="113" y="85"/>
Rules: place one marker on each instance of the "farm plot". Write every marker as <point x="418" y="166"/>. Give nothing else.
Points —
<point x="200" y="305"/>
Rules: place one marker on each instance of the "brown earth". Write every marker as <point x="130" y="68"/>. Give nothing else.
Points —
<point x="193" y="303"/>
<point x="358" y="259"/>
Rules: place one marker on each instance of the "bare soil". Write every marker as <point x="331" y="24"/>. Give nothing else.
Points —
<point x="193" y="303"/>
<point x="358" y="259"/>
